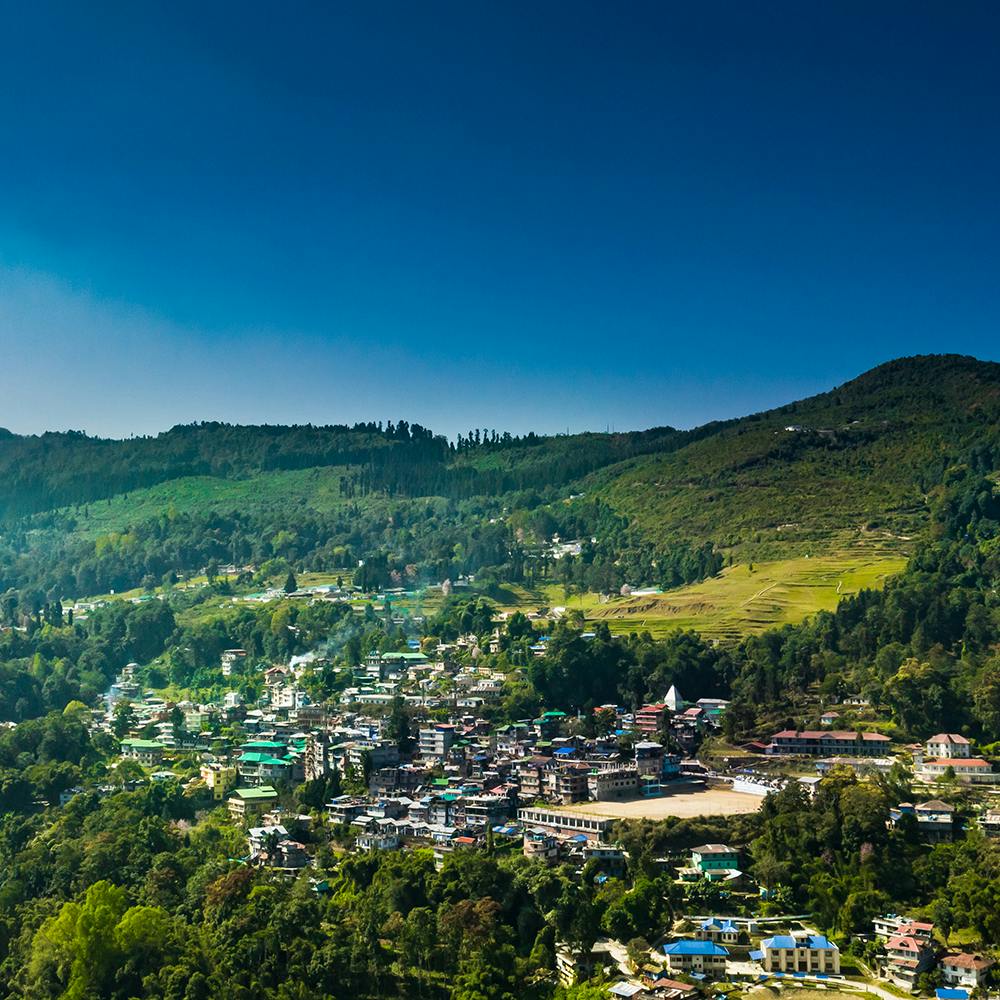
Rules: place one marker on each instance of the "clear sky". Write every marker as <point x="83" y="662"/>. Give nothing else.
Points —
<point x="515" y="215"/>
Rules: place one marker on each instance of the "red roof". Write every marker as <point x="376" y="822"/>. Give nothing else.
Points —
<point x="828" y="734"/>
<point x="963" y="960"/>
<point x="902" y="943"/>
<point x="958" y="762"/>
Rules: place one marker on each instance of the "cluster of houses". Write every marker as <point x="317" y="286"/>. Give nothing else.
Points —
<point x="909" y="950"/>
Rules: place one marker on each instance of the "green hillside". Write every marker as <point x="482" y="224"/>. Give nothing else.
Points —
<point x="847" y="475"/>
<point x="862" y="459"/>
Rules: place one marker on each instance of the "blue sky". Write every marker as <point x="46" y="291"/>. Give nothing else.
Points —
<point x="524" y="216"/>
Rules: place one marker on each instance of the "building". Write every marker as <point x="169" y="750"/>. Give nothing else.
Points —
<point x="715" y="858"/>
<point x="541" y="846"/>
<point x="935" y="819"/>
<point x="613" y="783"/>
<point x="248" y="803"/>
<point x="964" y="969"/>
<point x="948" y="745"/>
<point x="719" y="929"/>
<point x="595" y="828"/>
<point x="218" y="778"/>
<point x="892" y="925"/>
<point x="828" y="743"/>
<point x="147" y="752"/>
<point x="969" y="770"/>
<point x="436" y="741"/>
<point x="698" y="957"/>
<point x="801" y="951"/>
<point x="906" y="957"/>
<point x="989" y="822"/>
<point x="650" y="718"/>
<point x="261" y="768"/>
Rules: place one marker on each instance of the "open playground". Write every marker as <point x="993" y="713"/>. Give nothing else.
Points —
<point x="682" y="805"/>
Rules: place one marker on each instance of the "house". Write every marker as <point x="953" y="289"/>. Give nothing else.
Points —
<point x="247" y="803"/>
<point x="718" y="929"/>
<point x="714" y="862"/>
<point x="541" y="846"/>
<point x="906" y="957"/>
<point x="989" y="822"/>
<point x="697" y="957"/>
<point x="665" y="988"/>
<point x="828" y="719"/>
<point x="964" y="969"/>
<point x="626" y="990"/>
<point x="948" y="745"/>
<point x="147" y="752"/>
<point x="935" y="819"/>
<point x="892" y="925"/>
<point x="801" y="951"/>
<point x="377" y="840"/>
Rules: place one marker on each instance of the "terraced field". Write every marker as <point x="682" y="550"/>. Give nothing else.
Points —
<point x="743" y="601"/>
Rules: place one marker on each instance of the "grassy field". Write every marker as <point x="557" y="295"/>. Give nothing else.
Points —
<point x="738" y="601"/>
<point x="316" y="489"/>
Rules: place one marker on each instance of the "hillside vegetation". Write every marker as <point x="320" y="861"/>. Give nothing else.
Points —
<point x="847" y="475"/>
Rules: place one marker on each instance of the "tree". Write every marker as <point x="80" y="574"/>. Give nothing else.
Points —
<point x="123" y="718"/>
<point x="291" y="584"/>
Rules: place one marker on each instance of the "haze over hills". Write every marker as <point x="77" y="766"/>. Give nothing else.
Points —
<point x="850" y="468"/>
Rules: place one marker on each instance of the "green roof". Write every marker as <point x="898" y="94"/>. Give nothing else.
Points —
<point x="143" y="744"/>
<point x="261" y="758"/>
<point x="265" y="744"/>
<point x="264" y="792"/>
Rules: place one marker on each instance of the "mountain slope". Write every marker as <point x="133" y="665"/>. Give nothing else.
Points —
<point x="850" y="471"/>
<point x="858" y="464"/>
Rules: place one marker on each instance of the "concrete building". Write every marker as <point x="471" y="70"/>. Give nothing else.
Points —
<point x="801" y="951"/>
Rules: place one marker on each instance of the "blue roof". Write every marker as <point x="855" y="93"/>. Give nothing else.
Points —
<point x="815" y="942"/>
<point x="756" y="955"/>
<point x="564" y="751"/>
<point x="945" y="994"/>
<point x="716" y="923"/>
<point x="688" y="946"/>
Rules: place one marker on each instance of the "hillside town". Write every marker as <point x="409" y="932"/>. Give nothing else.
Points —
<point x="407" y="758"/>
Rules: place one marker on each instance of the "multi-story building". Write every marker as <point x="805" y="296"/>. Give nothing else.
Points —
<point x="437" y="740"/>
<point x="801" y="951"/>
<point x="715" y="860"/>
<point x="700" y="957"/>
<point x="246" y="804"/>
<point x="906" y="957"/>
<point x="948" y="745"/>
<point x="263" y="768"/>
<point x="828" y="743"/>
<point x="218" y="778"/>
<point x="145" y="751"/>
<point x="541" y="846"/>
<point x="613" y="783"/>
<point x="650" y="718"/>
<point x="595" y="828"/>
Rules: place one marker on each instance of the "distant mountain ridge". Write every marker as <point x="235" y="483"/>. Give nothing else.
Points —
<point x="854" y="464"/>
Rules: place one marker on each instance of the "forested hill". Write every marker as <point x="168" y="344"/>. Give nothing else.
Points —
<point x="51" y="470"/>
<point x="860" y="459"/>
<point x="857" y="465"/>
